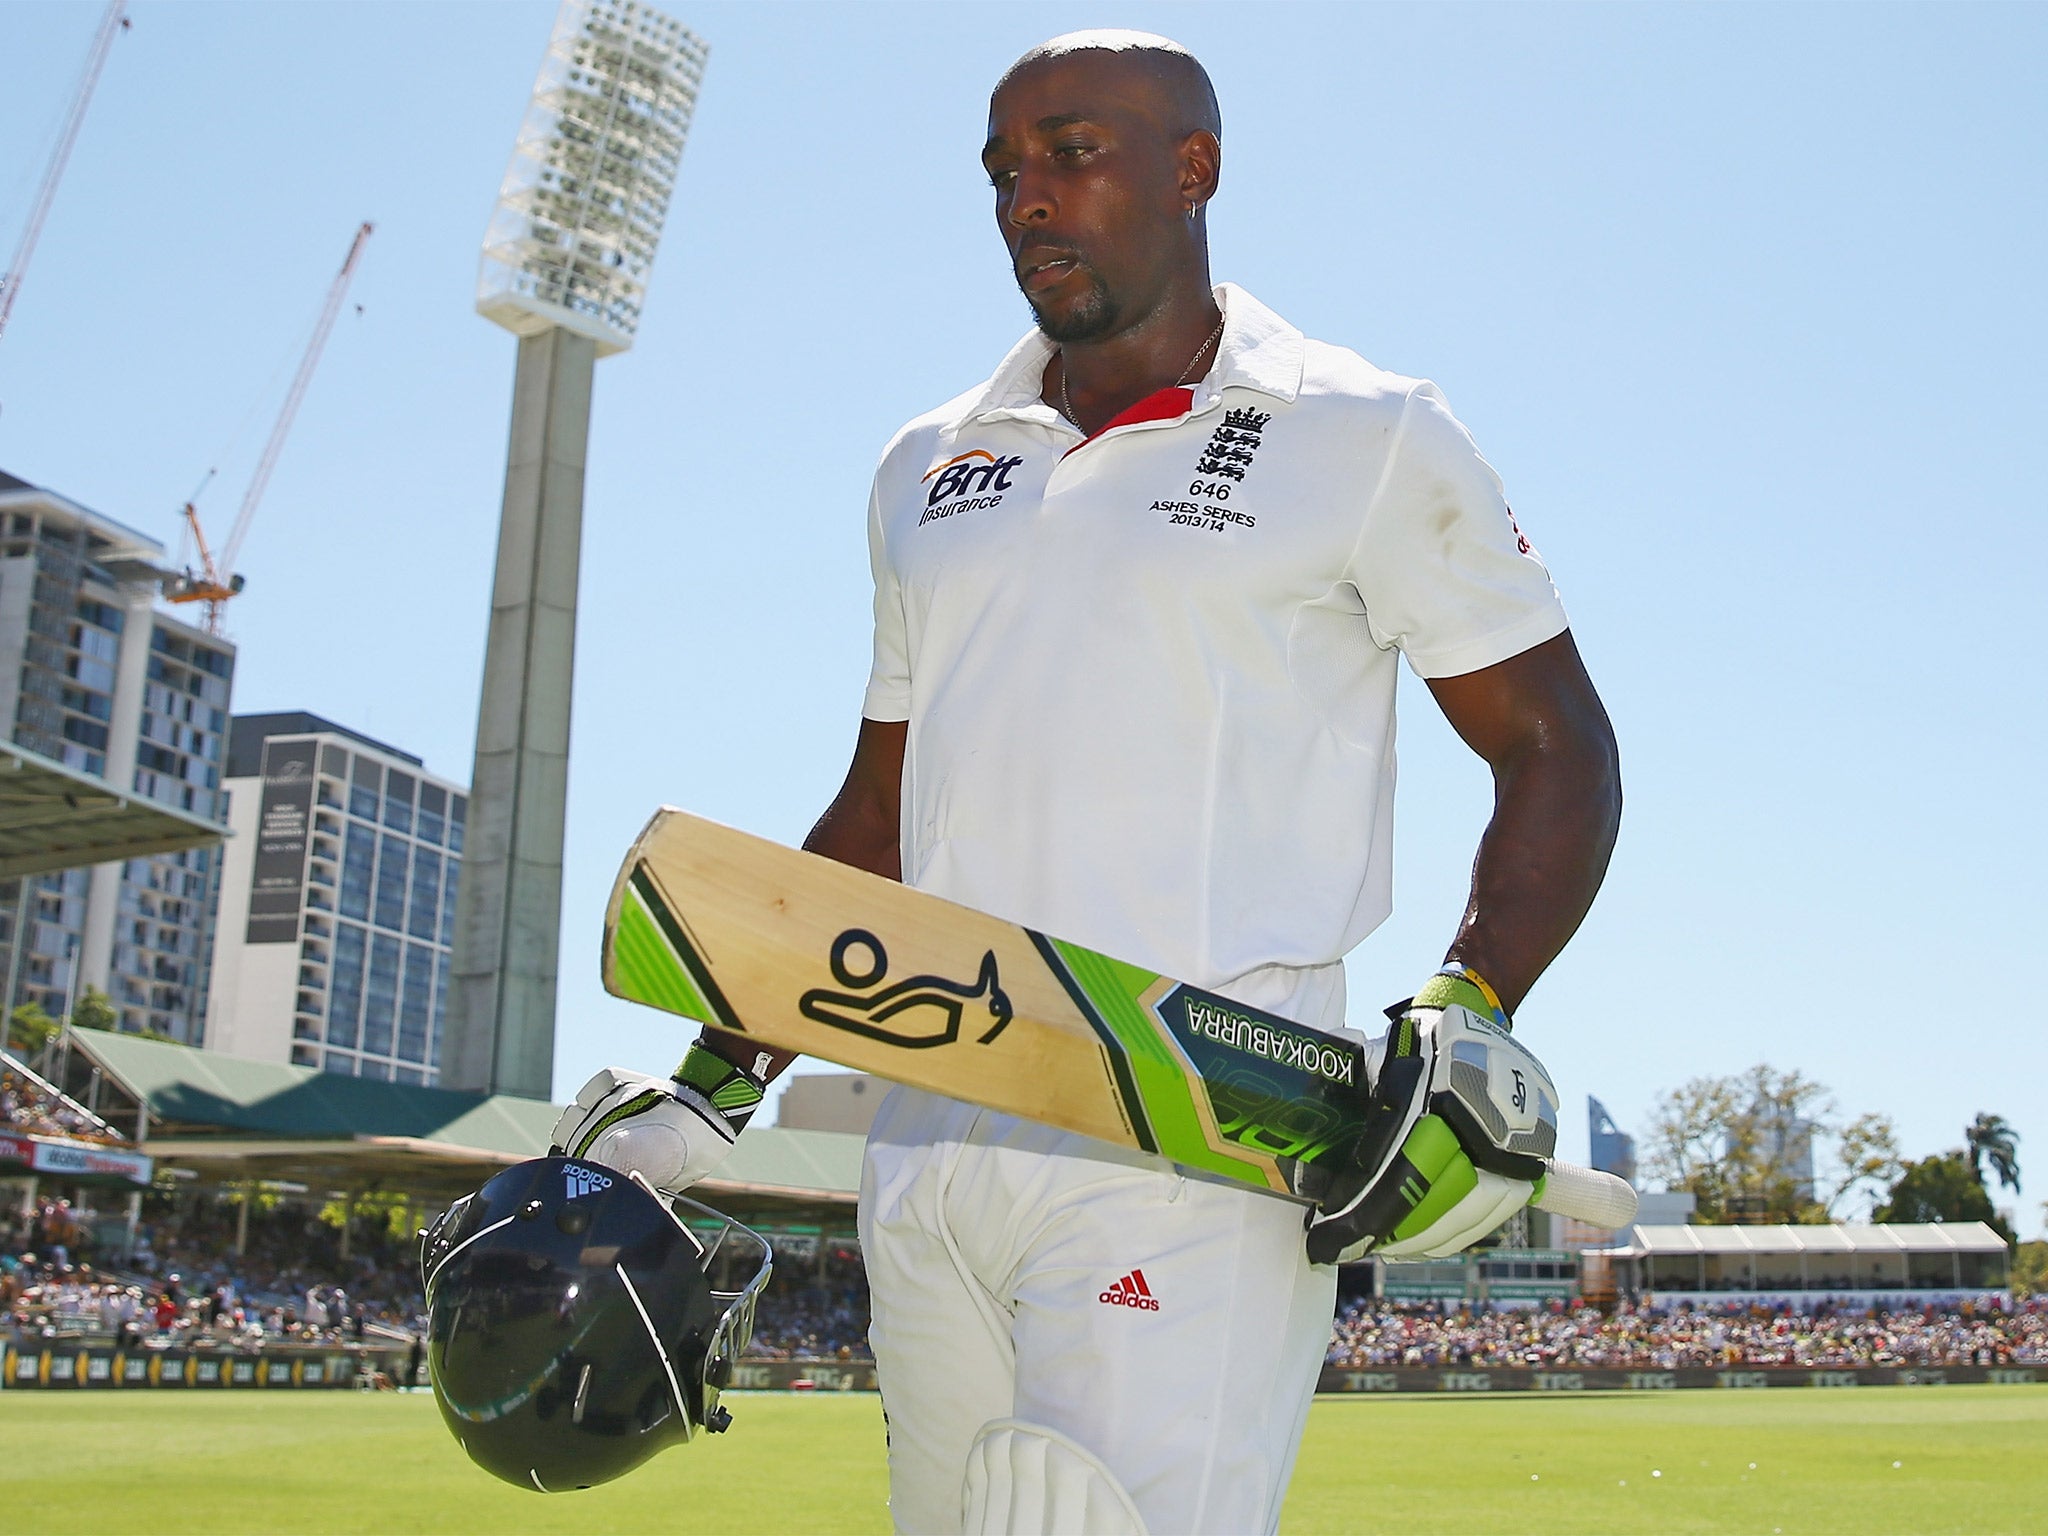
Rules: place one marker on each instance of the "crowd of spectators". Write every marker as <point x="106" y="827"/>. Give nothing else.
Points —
<point x="811" y="1316"/>
<point x="1371" y="1333"/>
<point x="27" y="1106"/>
<point x="807" y="1316"/>
<point x="183" y="1283"/>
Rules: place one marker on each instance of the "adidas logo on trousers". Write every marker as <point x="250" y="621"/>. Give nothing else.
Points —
<point x="1131" y="1291"/>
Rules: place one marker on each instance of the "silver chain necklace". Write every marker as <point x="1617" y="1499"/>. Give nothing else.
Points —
<point x="1067" y="405"/>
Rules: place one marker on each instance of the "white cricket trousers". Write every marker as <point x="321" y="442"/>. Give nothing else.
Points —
<point x="1171" y="1325"/>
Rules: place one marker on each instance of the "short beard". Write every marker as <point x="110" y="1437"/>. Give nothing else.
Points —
<point x="1094" y="315"/>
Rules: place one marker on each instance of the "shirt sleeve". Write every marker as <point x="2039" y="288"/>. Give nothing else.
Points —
<point x="1445" y="573"/>
<point x="888" y="695"/>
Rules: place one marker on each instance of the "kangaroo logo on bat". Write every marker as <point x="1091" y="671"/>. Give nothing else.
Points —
<point x="917" y="1012"/>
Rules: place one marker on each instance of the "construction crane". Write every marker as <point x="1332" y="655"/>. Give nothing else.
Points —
<point x="114" y="20"/>
<point x="216" y="580"/>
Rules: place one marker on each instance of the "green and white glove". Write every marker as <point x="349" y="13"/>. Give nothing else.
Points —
<point x="1465" y="1119"/>
<point x="672" y="1131"/>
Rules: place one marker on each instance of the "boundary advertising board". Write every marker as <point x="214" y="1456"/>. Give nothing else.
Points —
<point x="61" y="1364"/>
<point x="1572" y="1379"/>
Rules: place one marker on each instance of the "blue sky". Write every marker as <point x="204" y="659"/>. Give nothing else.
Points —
<point x="1743" y="302"/>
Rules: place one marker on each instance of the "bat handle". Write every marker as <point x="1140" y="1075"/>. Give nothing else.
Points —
<point x="1586" y="1194"/>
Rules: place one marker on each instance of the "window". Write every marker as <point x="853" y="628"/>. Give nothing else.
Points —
<point x="93" y="642"/>
<point x="93" y="674"/>
<point x="356" y="863"/>
<point x="426" y="892"/>
<point x="433" y="813"/>
<point x="345" y="996"/>
<point x="448" y="901"/>
<point x="398" y="801"/>
<point x="89" y="732"/>
<point x="333" y="761"/>
<point x="440" y="1004"/>
<point x="366" y="788"/>
<point x="103" y="614"/>
<point x="458" y="814"/>
<point x="415" y="1014"/>
<point x="380" y="996"/>
<point x="98" y="705"/>
<point x="391" y="862"/>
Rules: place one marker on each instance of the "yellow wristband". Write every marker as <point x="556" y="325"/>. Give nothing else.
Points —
<point x="1459" y="983"/>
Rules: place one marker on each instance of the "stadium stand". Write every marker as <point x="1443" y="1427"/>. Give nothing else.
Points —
<point x="291" y="1284"/>
<point x="1374" y="1333"/>
<point x="236" y="1245"/>
<point x="32" y="1107"/>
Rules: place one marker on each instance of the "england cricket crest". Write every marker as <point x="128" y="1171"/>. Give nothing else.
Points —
<point x="1231" y="446"/>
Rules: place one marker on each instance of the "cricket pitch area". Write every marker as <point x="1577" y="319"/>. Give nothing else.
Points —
<point x="1867" y="1460"/>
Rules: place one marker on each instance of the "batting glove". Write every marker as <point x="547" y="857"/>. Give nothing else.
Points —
<point x="670" y="1131"/>
<point x="1465" y="1119"/>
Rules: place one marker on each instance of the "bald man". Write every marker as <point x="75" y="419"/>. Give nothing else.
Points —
<point x="1139" y="599"/>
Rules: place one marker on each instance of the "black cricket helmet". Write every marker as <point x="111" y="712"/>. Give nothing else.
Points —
<point x="573" y="1329"/>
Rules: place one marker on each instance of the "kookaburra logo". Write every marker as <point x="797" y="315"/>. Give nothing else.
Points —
<point x="918" y="1011"/>
<point x="1521" y="1090"/>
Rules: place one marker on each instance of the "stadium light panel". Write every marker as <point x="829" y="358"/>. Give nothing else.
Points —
<point x="572" y="239"/>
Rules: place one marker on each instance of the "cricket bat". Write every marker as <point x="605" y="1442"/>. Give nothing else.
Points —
<point x="805" y="954"/>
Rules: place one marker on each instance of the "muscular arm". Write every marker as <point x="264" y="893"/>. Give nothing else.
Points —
<point x="1539" y="725"/>
<point x="860" y="828"/>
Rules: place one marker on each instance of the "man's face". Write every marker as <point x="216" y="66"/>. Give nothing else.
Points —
<point x="1087" y="181"/>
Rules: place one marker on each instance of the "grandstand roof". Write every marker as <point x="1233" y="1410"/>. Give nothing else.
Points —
<point x="225" y="1117"/>
<point x="1836" y="1237"/>
<point x="54" y="817"/>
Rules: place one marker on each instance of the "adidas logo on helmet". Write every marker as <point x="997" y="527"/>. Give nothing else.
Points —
<point x="583" y="1181"/>
<point x="1132" y="1292"/>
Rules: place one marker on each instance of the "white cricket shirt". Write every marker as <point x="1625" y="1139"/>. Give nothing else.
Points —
<point x="1150" y="677"/>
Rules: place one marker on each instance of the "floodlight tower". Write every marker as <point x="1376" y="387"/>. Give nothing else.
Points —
<point x="565" y="267"/>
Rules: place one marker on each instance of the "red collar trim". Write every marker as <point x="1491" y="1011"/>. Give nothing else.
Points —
<point x="1165" y="405"/>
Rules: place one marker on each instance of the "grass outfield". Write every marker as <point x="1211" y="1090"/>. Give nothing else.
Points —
<point x="1969" y="1459"/>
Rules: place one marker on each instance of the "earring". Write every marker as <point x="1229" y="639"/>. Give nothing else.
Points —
<point x="1192" y="207"/>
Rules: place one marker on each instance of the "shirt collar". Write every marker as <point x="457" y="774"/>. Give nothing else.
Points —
<point x="1259" y="351"/>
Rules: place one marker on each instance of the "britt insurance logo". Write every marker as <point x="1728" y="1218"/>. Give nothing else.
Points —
<point x="977" y="475"/>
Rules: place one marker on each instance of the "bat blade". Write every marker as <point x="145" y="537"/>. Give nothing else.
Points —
<point x="804" y="954"/>
<point x="808" y="955"/>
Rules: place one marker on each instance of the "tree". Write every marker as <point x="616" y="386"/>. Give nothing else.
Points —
<point x="392" y="1211"/>
<point x="1866" y="1160"/>
<point x="1942" y="1188"/>
<point x="2030" y="1269"/>
<point x="1990" y="1139"/>
<point x="1744" y="1147"/>
<point x="93" y="1010"/>
<point x="29" y="1029"/>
